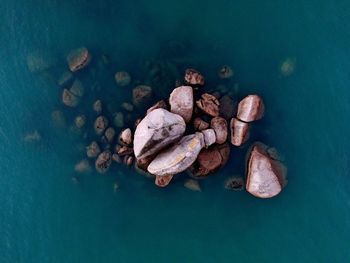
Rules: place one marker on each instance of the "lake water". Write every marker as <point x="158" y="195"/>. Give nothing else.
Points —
<point x="45" y="217"/>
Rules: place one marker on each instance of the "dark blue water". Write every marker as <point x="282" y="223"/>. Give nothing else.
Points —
<point x="45" y="217"/>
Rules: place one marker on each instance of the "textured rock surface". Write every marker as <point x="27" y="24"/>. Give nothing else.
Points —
<point x="78" y="59"/>
<point x="251" y="108"/>
<point x="103" y="162"/>
<point x="159" y="105"/>
<point x="177" y="158"/>
<point x="219" y="125"/>
<point x="265" y="176"/>
<point x="209" y="137"/>
<point x="181" y="102"/>
<point x="125" y="137"/>
<point x="141" y="95"/>
<point x="239" y="132"/>
<point x="101" y="123"/>
<point x="157" y="130"/>
<point x="192" y="185"/>
<point x="209" y="104"/>
<point x="163" y="181"/>
<point x="194" y="77"/>
<point x="200" y="125"/>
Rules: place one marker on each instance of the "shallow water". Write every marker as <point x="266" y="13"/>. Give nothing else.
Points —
<point x="47" y="218"/>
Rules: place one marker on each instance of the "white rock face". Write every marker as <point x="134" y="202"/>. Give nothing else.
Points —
<point x="179" y="157"/>
<point x="156" y="131"/>
<point x="265" y="176"/>
<point x="181" y="102"/>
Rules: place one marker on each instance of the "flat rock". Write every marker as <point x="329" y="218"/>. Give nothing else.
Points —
<point x="219" y="125"/>
<point x="141" y="95"/>
<point x="177" y="158"/>
<point x="265" y="176"/>
<point x="239" y="132"/>
<point x="163" y="181"/>
<point x="181" y="102"/>
<point x="251" y="108"/>
<point x="159" y="105"/>
<point x="209" y="104"/>
<point x="109" y="134"/>
<point x="199" y="124"/>
<point x="156" y="131"/>
<point x="103" y="161"/>
<point x="78" y="59"/>
<point x="194" y="77"/>
<point x="101" y="124"/>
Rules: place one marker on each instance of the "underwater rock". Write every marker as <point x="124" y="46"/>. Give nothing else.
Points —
<point x="156" y="131"/>
<point x="93" y="150"/>
<point x="78" y="59"/>
<point x="141" y="95"/>
<point x="219" y="125"/>
<point x="115" y="187"/>
<point x="69" y="99"/>
<point x="97" y="106"/>
<point x="227" y="107"/>
<point x="181" y="102"/>
<point x="192" y="185"/>
<point x="128" y="160"/>
<point x="103" y="161"/>
<point x="77" y="88"/>
<point x="80" y="121"/>
<point x="58" y="118"/>
<point x="209" y="137"/>
<point x="65" y="79"/>
<point x="123" y="150"/>
<point x="127" y="106"/>
<point x="265" y="176"/>
<point x="239" y="132"/>
<point x="194" y="77"/>
<point x="163" y="181"/>
<point x="159" y="105"/>
<point x="234" y="183"/>
<point x="83" y="166"/>
<point x="32" y="137"/>
<point x="118" y="120"/>
<point x="122" y="78"/>
<point x="251" y="108"/>
<point x="225" y="72"/>
<point x="177" y="158"/>
<point x="116" y="158"/>
<point x="209" y="104"/>
<point x="125" y="137"/>
<point x="287" y="67"/>
<point x="199" y="124"/>
<point x="109" y="134"/>
<point x="101" y="123"/>
<point x="38" y="62"/>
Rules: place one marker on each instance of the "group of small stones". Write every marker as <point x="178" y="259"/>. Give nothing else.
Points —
<point x="189" y="132"/>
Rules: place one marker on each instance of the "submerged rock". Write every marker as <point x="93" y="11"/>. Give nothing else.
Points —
<point x="265" y="176"/>
<point x="100" y="125"/>
<point x="97" y="106"/>
<point x="227" y="107"/>
<point x="156" y="131"/>
<point x="127" y="106"/>
<point x="159" y="105"/>
<point x="181" y="102"/>
<point x="32" y="137"/>
<point x="251" y="108"/>
<point x="69" y="99"/>
<point x="78" y="59"/>
<point x="118" y="120"/>
<point x="199" y="124"/>
<point x="122" y="78"/>
<point x="225" y="72"/>
<point x="219" y="125"/>
<point x="65" y="79"/>
<point x="83" y="166"/>
<point x="125" y="137"/>
<point x="234" y="183"/>
<point x="38" y="62"/>
<point x="192" y="185"/>
<point x="239" y="132"/>
<point x="141" y="95"/>
<point x="194" y="77"/>
<point x="80" y="121"/>
<point x="103" y="161"/>
<point x="93" y="150"/>
<point x="287" y="67"/>
<point x="177" y="158"/>
<point x="109" y="134"/>
<point x="163" y="181"/>
<point x="209" y="104"/>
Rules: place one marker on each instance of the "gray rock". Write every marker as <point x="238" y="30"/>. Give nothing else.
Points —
<point x="109" y="134"/>
<point x="141" y="95"/>
<point x="103" y="161"/>
<point x="251" y="108"/>
<point x="156" y="131"/>
<point x="181" y="102"/>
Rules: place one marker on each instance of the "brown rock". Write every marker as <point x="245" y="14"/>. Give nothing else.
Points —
<point x="159" y="105"/>
<point x="219" y="125"/>
<point x="163" y="181"/>
<point x="239" y="132"/>
<point x="209" y="104"/>
<point x="181" y="102"/>
<point x="227" y="107"/>
<point x="78" y="59"/>
<point x="125" y="137"/>
<point x="225" y="72"/>
<point x="122" y="78"/>
<point x="128" y="160"/>
<point x="199" y="124"/>
<point x="194" y="77"/>
<point x="69" y="99"/>
<point x="251" y="108"/>
<point x="141" y="95"/>
<point x="265" y="176"/>
<point x="144" y="162"/>
<point x="103" y="161"/>
<point x="101" y="123"/>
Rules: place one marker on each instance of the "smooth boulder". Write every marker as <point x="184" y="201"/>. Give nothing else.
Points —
<point x="239" y="132"/>
<point x="251" y="108"/>
<point x="181" y="102"/>
<point x="78" y="59"/>
<point x="219" y="125"/>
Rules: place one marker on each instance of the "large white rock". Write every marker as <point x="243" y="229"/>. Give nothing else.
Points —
<point x="251" y="108"/>
<point x="179" y="157"/>
<point x="156" y="131"/>
<point x="181" y="102"/>
<point x="265" y="175"/>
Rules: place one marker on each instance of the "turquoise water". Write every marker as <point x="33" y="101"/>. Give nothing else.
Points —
<point x="47" y="218"/>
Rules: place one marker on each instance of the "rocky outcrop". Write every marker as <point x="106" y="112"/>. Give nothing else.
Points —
<point x="225" y="72"/>
<point x="125" y="137"/>
<point x="181" y="102"/>
<point x="251" y="108"/>
<point x="156" y="131"/>
<point x="219" y="125"/>
<point x="194" y="77"/>
<point x="78" y="59"/>
<point x="239" y="132"/>
<point x="209" y="104"/>
<point x="265" y="176"/>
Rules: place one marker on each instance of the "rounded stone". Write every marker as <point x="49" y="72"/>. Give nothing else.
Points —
<point x="103" y="161"/>
<point x="109" y="134"/>
<point x="199" y="124"/>
<point x="163" y="181"/>
<point x="97" y="106"/>
<point x="122" y="78"/>
<point x="194" y="77"/>
<point x="80" y="121"/>
<point x="209" y="104"/>
<point x="100" y="125"/>
<point x="78" y="59"/>
<point x="127" y="106"/>
<point x="125" y="137"/>
<point x="219" y="125"/>
<point x="225" y="72"/>
<point x="69" y="99"/>
<point x="93" y="150"/>
<point x="83" y="166"/>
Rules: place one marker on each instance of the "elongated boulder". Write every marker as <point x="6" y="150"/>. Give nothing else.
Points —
<point x="265" y="176"/>
<point x="209" y="104"/>
<point x="156" y="131"/>
<point x="239" y="132"/>
<point x="219" y="125"/>
<point x="78" y="59"/>
<point x="251" y="108"/>
<point x="179" y="157"/>
<point x="181" y="102"/>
